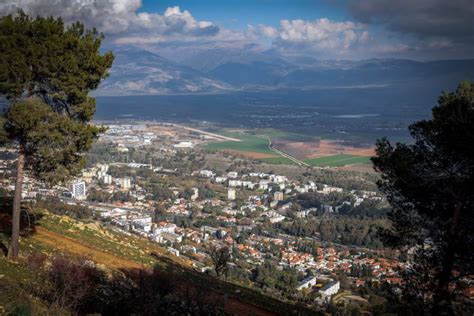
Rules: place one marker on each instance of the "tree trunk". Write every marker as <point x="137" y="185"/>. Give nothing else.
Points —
<point x="15" y="239"/>
<point x="444" y="277"/>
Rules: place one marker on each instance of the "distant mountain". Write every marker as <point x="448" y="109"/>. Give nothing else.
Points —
<point x="378" y="72"/>
<point x="253" y="73"/>
<point x="337" y="74"/>
<point x="138" y="71"/>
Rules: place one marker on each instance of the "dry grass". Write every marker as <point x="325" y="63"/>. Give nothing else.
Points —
<point x="75" y="247"/>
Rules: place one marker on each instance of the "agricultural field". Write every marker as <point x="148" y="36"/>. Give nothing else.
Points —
<point x="251" y="145"/>
<point x="339" y="160"/>
<point x="312" y="150"/>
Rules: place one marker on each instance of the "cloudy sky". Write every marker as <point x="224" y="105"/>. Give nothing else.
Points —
<point x="326" y="29"/>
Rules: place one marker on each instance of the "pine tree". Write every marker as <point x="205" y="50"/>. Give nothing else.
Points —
<point x="430" y="185"/>
<point x="46" y="73"/>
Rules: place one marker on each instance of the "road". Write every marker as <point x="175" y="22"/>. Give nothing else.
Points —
<point x="220" y="137"/>
<point x="283" y="154"/>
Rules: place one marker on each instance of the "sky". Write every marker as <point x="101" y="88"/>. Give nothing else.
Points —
<point x="325" y="29"/>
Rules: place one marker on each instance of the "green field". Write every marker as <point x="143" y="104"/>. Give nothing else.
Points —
<point x="249" y="143"/>
<point x="279" y="134"/>
<point x="339" y="160"/>
<point x="256" y="141"/>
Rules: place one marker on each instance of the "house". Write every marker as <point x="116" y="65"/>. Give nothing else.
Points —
<point x="172" y="237"/>
<point x="307" y="283"/>
<point x="143" y="224"/>
<point x="173" y="251"/>
<point x="220" y="179"/>
<point x="328" y="189"/>
<point x="278" y="196"/>
<point x="235" y="183"/>
<point x="329" y="289"/>
<point x="164" y="227"/>
<point x="303" y="213"/>
<point x="207" y="173"/>
<point x="232" y="175"/>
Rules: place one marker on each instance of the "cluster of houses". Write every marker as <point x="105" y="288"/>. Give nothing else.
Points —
<point x="128" y="135"/>
<point x="266" y="197"/>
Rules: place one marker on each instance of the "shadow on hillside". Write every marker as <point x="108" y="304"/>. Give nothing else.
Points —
<point x="28" y="220"/>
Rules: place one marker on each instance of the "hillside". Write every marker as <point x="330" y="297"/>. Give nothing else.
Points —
<point x="115" y="252"/>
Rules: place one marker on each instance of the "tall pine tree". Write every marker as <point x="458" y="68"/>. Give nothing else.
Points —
<point x="46" y="73"/>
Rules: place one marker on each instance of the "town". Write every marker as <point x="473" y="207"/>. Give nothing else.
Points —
<point x="142" y="181"/>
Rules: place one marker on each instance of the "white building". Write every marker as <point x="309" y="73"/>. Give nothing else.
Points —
<point x="307" y="283"/>
<point x="147" y="137"/>
<point x="220" y="179"/>
<point x="195" y="194"/>
<point x="231" y="194"/>
<point x="232" y="174"/>
<point x="328" y="189"/>
<point x="164" y="227"/>
<point x="104" y="168"/>
<point x="143" y="224"/>
<point x="235" y="183"/>
<point x="173" y="251"/>
<point x="172" y="237"/>
<point x="273" y="216"/>
<point x="278" y="196"/>
<point x="78" y="189"/>
<point x="207" y="173"/>
<point x="183" y="145"/>
<point x="125" y="183"/>
<point x="279" y="179"/>
<point x="329" y="289"/>
<point x="303" y="213"/>
<point x="107" y="179"/>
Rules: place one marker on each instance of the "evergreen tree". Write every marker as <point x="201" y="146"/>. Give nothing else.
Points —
<point x="430" y="185"/>
<point x="46" y="73"/>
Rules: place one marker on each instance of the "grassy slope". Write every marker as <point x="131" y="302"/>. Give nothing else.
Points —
<point x="115" y="251"/>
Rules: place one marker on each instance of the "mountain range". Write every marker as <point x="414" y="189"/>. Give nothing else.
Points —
<point x="138" y="71"/>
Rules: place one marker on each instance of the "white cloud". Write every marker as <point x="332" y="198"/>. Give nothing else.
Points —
<point x="110" y="16"/>
<point x="118" y="18"/>
<point x="123" y="23"/>
<point x="268" y="31"/>
<point x="321" y="35"/>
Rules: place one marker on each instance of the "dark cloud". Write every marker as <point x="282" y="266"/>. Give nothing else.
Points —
<point x="451" y="19"/>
